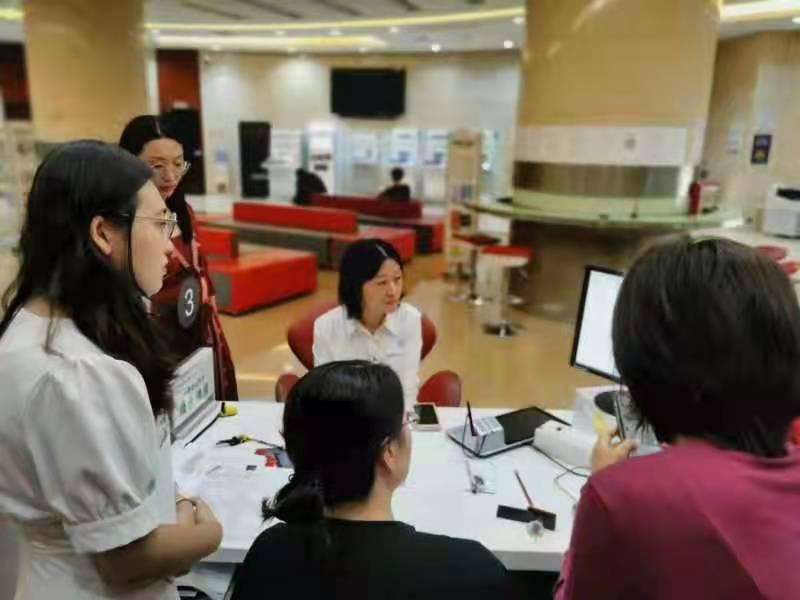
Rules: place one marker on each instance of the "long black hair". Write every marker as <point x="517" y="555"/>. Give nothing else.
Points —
<point x="137" y="134"/>
<point x="707" y="339"/>
<point x="59" y="261"/>
<point x="360" y="263"/>
<point x="337" y="421"/>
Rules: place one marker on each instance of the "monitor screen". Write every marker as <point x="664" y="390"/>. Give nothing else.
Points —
<point x="592" y="348"/>
<point x="368" y="93"/>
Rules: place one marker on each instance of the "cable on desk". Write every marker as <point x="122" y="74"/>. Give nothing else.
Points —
<point x="576" y="471"/>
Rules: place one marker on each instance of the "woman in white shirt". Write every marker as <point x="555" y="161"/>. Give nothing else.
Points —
<point x="86" y="389"/>
<point x="372" y="322"/>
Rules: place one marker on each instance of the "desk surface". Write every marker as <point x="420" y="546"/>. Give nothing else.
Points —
<point x="435" y="498"/>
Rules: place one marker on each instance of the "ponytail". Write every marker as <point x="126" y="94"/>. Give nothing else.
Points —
<point x="299" y="501"/>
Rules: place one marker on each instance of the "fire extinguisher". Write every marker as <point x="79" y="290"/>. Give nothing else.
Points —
<point x="695" y="198"/>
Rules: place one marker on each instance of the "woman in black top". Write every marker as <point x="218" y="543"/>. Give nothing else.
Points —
<point x="348" y="437"/>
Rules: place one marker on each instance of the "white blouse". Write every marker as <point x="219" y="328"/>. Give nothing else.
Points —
<point x="397" y="343"/>
<point x="79" y="460"/>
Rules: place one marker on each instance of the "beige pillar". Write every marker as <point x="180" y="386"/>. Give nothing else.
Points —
<point x="614" y="101"/>
<point x="612" y="119"/>
<point x="86" y="67"/>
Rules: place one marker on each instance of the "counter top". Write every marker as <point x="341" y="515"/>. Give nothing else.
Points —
<point x="615" y="220"/>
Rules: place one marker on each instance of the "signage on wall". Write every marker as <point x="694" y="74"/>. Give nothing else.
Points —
<point x="489" y="154"/>
<point x="286" y="148"/>
<point x="364" y="149"/>
<point x="404" y="147"/>
<point x="762" y="146"/>
<point x="435" y="148"/>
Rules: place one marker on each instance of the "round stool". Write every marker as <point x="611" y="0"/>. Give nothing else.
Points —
<point x="776" y="253"/>
<point x="475" y="241"/>
<point x="506" y="258"/>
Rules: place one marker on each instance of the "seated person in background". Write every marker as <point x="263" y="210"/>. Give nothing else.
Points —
<point x="398" y="191"/>
<point x="347" y="436"/>
<point x="372" y="322"/>
<point x="707" y="338"/>
<point x="306" y="184"/>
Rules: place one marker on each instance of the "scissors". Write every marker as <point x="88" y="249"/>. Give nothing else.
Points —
<point x="243" y="439"/>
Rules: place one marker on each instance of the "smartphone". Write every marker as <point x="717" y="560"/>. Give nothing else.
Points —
<point x="628" y="425"/>
<point x="428" y="419"/>
<point x="526" y="515"/>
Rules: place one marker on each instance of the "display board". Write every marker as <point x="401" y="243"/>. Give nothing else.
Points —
<point x="404" y="147"/>
<point x="364" y="149"/>
<point x="321" y="153"/>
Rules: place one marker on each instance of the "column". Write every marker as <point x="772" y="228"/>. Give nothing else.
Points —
<point x="86" y="67"/>
<point x="611" y="124"/>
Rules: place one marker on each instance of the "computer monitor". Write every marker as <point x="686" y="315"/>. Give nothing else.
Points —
<point x="592" y="348"/>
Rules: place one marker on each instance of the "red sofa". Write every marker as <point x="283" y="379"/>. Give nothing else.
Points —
<point x="255" y="279"/>
<point x="326" y="232"/>
<point x="386" y="213"/>
<point x="297" y="217"/>
<point x="387" y="209"/>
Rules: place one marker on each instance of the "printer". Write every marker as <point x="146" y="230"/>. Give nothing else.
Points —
<point x="782" y="211"/>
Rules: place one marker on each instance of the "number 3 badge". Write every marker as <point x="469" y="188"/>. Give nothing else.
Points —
<point x="189" y="302"/>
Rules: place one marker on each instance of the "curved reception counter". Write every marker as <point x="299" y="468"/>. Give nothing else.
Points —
<point x="564" y="243"/>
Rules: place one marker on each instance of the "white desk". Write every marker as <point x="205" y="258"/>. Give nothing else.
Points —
<point x="434" y="499"/>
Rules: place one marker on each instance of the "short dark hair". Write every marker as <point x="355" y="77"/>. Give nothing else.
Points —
<point x="361" y="262"/>
<point x="397" y="174"/>
<point x="337" y="420"/>
<point x="59" y="261"/>
<point x="707" y="338"/>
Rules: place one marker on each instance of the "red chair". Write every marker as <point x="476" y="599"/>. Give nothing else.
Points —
<point x="776" y="253"/>
<point x="442" y="388"/>
<point x="790" y="267"/>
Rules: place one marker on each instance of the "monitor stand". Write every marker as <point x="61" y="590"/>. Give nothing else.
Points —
<point x="605" y="401"/>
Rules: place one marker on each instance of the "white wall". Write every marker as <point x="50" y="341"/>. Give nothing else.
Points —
<point x="475" y="90"/>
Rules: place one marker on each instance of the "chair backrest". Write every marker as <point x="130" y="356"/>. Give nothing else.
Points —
<point x="301" y="334"/>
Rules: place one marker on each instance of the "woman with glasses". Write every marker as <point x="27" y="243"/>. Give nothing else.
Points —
<point x="348" y="438"/>
<point x="185" y="306"/>
<point x="84" y="435"/>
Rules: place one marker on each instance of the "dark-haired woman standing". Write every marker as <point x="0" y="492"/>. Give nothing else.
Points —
<point x="349" y="440"/>
<point x="84" y="450"/>
<point x="151" y="139"/>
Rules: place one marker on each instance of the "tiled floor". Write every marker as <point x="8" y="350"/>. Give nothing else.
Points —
<point x="532" y="368"/>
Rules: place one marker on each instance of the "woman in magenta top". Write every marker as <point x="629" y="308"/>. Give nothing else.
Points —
<point x="707" y="339"/>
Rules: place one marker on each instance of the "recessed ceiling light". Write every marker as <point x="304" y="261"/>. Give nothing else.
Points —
<point x="394" y="29"/>
<point x="335" y="32"/>
<point x="508" y="44"/>
<point x="796" y="20"/>
<point x="519" y="20"/>
<point x="436" y="47"/>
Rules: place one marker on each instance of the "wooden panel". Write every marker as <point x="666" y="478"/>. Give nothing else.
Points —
<point x="178" y="79"/>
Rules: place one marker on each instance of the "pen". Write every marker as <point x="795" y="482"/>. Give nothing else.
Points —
<point x="524" y="491"/>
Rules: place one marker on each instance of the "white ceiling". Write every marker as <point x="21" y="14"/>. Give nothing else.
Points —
<point x="478" y="35"/>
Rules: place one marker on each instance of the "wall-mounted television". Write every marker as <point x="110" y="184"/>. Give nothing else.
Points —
<point x="368" y="93"/>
